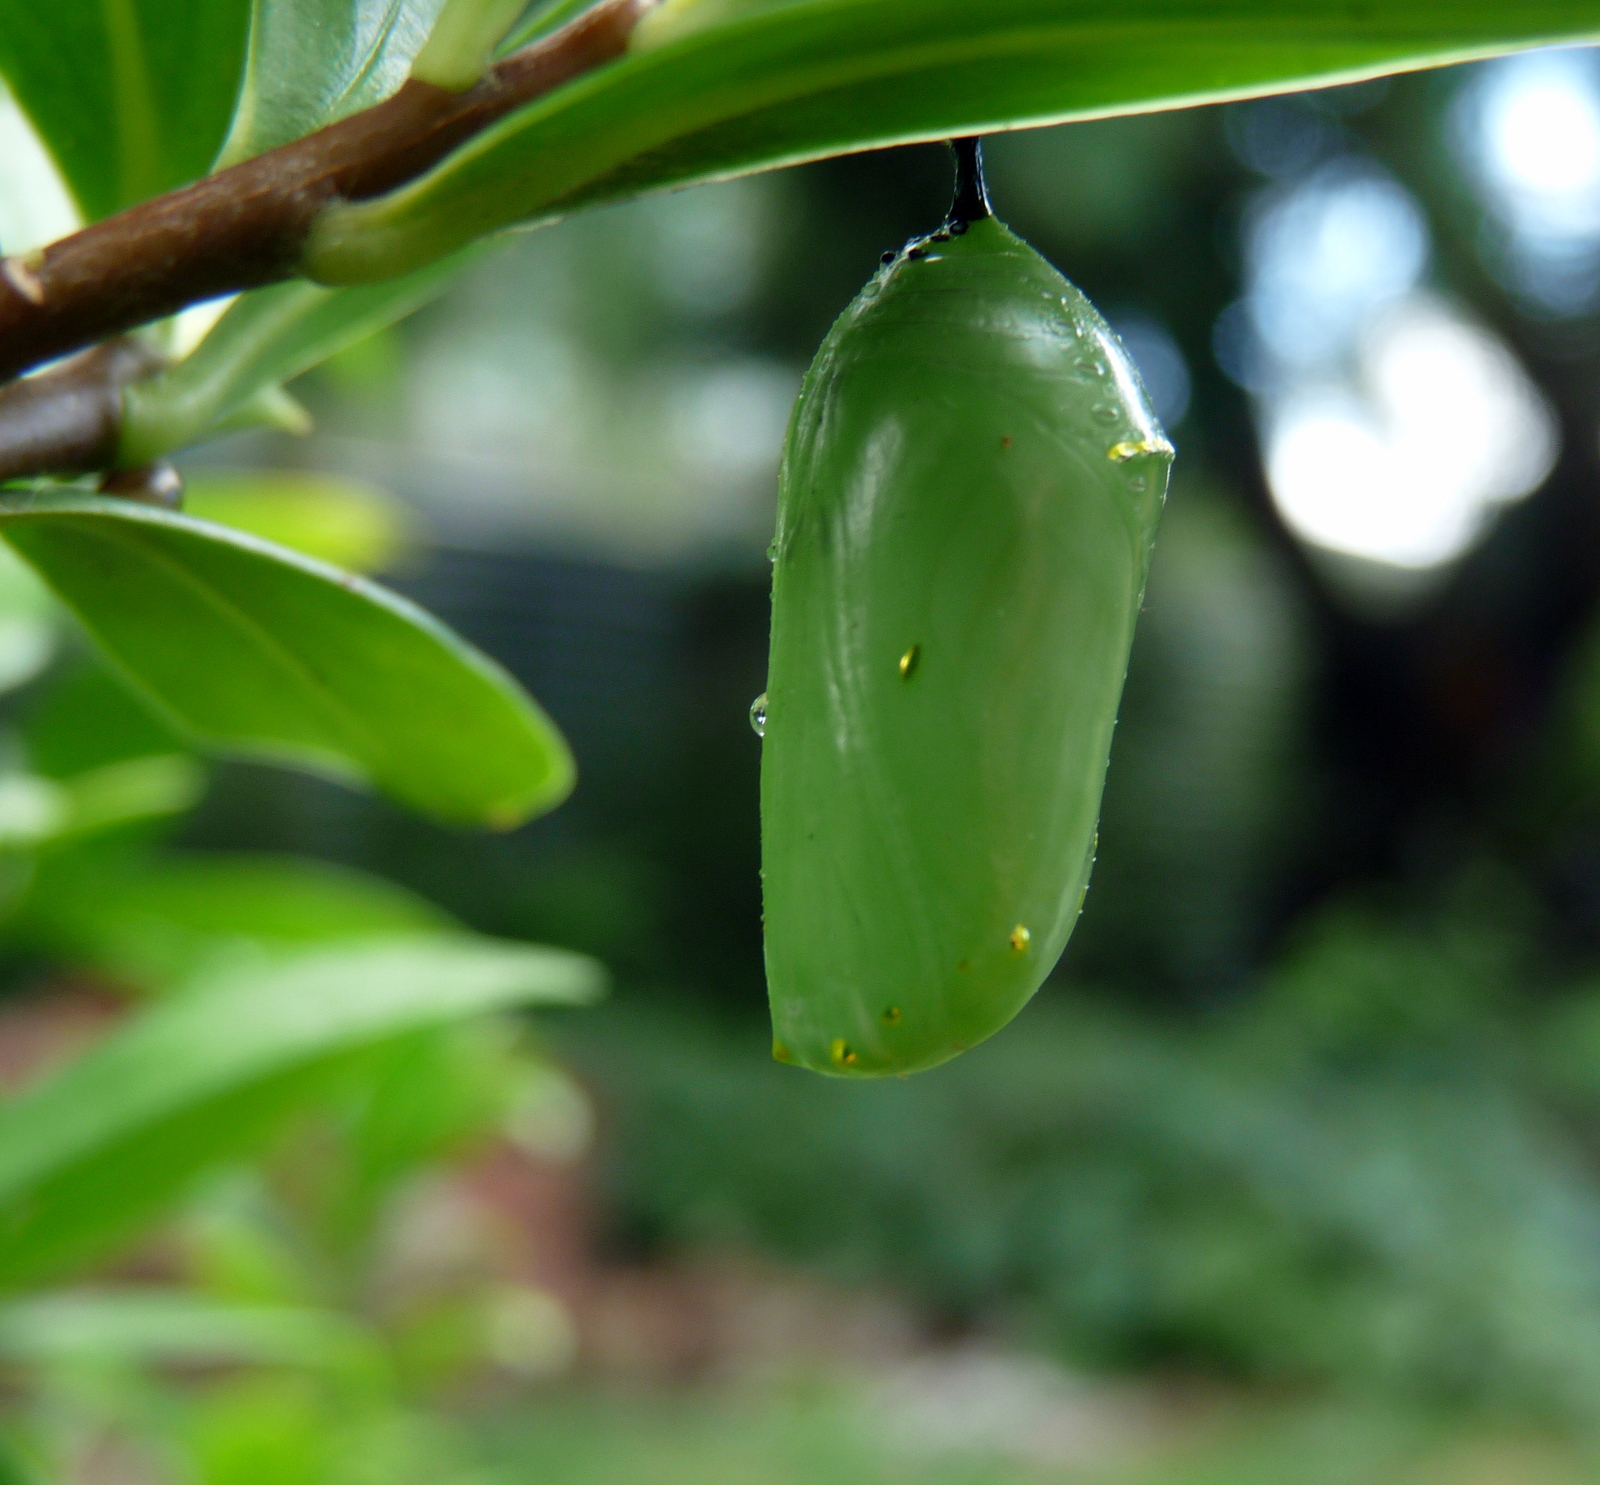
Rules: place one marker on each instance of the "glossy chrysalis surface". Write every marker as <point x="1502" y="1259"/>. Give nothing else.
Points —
<point x="970" y="489"/>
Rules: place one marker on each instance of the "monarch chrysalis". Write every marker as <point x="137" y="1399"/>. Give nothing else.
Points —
<point x="970" y="487"/>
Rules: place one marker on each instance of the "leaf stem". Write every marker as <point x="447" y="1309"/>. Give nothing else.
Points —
<point x="68" y="420"/>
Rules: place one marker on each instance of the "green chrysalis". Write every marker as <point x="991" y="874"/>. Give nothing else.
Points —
<point x="970" y="488"/>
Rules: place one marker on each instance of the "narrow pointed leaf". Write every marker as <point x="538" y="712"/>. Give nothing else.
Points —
<point x="264" y="338"/>
<point x="541" y="20"/>
<point x="252" y="649"/>
<point x="132" y="97"/>
<point x="125" y="793"/>
<point x="464" y="40"/>
<point x="772" y="82"/>
<point x="112" y="1139"/>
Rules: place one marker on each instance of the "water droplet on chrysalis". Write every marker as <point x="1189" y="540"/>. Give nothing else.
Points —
<point x="1020" y="939"/>
<point x="909" y="661"/>
<point x="758" y="715"/>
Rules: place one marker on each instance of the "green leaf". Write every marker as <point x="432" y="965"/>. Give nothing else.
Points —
<point x="207" y="1074"/>
<point x="314" y="61"/>
<point x="88" y="717"/>
<point x="265" y="338"/>
<point x="27" y="645"/>
<point x="122" y="793"/>
<point x="541" y="20"/>
<point x="29" y="621"/>
<point x="167" y="1327"/>
<point x="37" y="811"/>
<point x="132" y="97"/>
<point x="463" y="42"/>
<point x="153" y="921"/>
<point x="13" y="1469"/>
<point x="346" y="522"/>
<point x="251" y="649"/>
<point x="717" y="90"/>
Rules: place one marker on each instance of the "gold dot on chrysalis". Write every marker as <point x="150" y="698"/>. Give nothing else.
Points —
<point x="1020" y="938"/>
<point x="1005" y="440"/>
<point x="781" y="1053"/>
<point x="841" y="1053"/>
<point x="891" y="1017"/>
<point x="1120" y="453"/>
<point x="908" y="661"/>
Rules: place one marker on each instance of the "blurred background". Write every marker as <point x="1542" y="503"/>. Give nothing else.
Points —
<point x="1292" y="1171"/>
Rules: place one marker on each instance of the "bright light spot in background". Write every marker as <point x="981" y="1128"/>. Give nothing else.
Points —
<point x="499" y="398"/>
<point x="187" y="328"/>
<point x="1162" y="369"/>
<point x="1530" y="129"/>
<point x="707" y="248"/>
<point x="1393" y="428"/>
<point x="1280" y="136"/>
<point x="1284" y="136"/>
<point x="35" y="207"/>
<point x="730" y="420"/>
<point x="1541" y="124"/>
<point x="1407" y="467"/>
<point x="1325" y="254"/>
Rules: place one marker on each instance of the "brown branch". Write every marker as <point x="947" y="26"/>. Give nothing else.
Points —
<point x="247" y="226"/>
<point x="67" y="420"/>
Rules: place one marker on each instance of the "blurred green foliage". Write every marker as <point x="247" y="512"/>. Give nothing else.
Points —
<point x="1310" y="1104"/>
<point x="317" y="1046"/>
<point x="1313" y="1106"/>
<point x="1365" y="1174"/>
<point x="821" y="1435"/>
